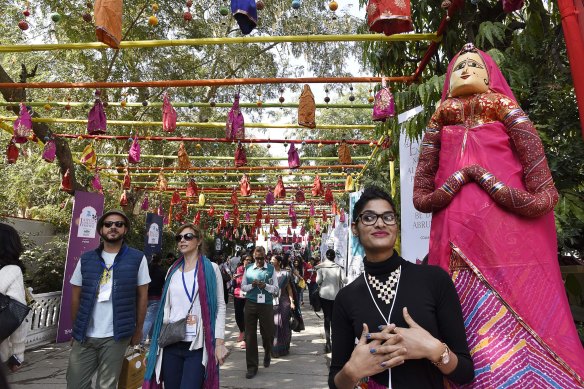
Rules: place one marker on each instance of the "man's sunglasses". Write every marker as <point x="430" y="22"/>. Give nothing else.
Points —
<point x="188" y="237"/>
<point x="117" y="224"/>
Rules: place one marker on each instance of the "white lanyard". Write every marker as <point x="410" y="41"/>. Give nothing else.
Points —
<point x="375" y="302"/>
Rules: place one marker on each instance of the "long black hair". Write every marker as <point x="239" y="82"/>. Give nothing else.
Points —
<point x="10" y="247"/>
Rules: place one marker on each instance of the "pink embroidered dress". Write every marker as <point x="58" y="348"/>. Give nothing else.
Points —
<point x="482" y="172"/>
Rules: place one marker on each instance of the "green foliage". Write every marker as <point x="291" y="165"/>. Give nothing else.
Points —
<point x="44" y="264"/>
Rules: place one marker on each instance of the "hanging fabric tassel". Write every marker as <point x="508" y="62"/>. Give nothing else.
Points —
<point x="22" y="126"/>
<point x="317" y="189"/>
<point x="124" y="199"/>
<point x="96" y="183"/>
<point x="328" y="195"/>
<point x="294" y="223"/>
<point x="306" y="108"/>
<point x="244" y="186"/>
<point x="349" y="183"/>
<point x="291" y="212"/>
<point x="345" y="154"/>
<point x="389" y="16"/>
<point x="234" y="199"/>
<point x="134" y="153"/>
<point x="384" y="104"/>
<point x="226" y="216"/>
<point x="300" y="196"/>
<point x="12" y="152"/>
<point x="127" y="181"/>
<point x="334" y="210"/>
<point x="192" y="189"/>
<point x="96" y="120"/>
<point x="183" y="158"/>
<point x="293" y="158"/>
<point x="161" y="182"/>
<point x="235" y="128"/>
<point x="108" y="22"/>
<point x="289" y="231"/>
<point x="324" y="216"/>
<point x="342" y="218"/>
<point x="246" y="14"/>
<point x="88" y="156"/>
<point x="270" y="197"/>
<point x="168" y="115"/>
<point x="145" y="204"/>
<point x="50" y="151"/>
<point x="312" y="212"/>
<point x="66" y="184"/>
<point x="175" y="199"/>
<point x="211" y="211"/>
<point x="279" y="190"/>
<point x="302" y="231"/>
<point x="240" y="157"/>
<point x="247" y="217"/>
<point x="197" y="219"/>
<point x="267" y="220"/>
<point x="202" y="200"/>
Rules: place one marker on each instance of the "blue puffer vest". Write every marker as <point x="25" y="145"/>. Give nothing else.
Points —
<point x="125" y="279"/>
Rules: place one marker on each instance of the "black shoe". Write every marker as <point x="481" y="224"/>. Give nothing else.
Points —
<point x="251" y="374"/>
<point x="327" y="347"/>
<point x="267" y="360"/>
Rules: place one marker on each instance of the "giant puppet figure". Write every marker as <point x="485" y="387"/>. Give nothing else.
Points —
<point x="483" y="174"/>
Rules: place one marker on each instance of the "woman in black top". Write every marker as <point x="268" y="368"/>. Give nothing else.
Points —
<point x="423" y="341"/>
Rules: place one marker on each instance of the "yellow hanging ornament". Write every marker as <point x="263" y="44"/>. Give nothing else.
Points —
<point x="201" y="199"/>
<point x="349" y="184"/>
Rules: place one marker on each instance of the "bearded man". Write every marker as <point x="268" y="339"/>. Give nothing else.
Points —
<point x="110" y="296"/>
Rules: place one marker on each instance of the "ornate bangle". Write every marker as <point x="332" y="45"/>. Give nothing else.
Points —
<point x="485" y="177"/>
<point x="446" y="188"/>
<point x="496" y="187"/>
<point x="460" y="178"/>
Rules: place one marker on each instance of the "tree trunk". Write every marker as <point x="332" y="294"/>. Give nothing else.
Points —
<point x="41" y="130"/>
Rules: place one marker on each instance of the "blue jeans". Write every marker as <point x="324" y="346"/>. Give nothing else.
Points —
<point x="150" y="318"/>
<point x="182" y="368"/>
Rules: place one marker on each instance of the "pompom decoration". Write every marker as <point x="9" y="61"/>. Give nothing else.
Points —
<point x="49" y="151"/>
<point x="134" y="153"/>
<point x="96" y="120"/>
<point x="168" y="115"/>
<point x="22" y="125"/>
<point x="11" y="153"/>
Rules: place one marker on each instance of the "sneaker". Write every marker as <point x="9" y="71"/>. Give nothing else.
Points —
<point x="240" y="337"/>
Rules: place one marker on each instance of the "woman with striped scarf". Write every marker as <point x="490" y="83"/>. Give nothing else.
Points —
<point x="192" y="290"/>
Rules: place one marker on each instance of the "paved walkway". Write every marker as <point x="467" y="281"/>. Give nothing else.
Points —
<point x="304" y="367"/>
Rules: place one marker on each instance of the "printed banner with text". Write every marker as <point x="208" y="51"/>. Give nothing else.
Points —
<point x="83" y="236"/>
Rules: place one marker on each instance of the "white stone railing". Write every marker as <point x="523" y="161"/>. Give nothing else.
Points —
<point x="43" y="319"/>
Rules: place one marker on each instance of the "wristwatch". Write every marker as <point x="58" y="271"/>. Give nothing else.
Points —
<point x="444" y="357"/>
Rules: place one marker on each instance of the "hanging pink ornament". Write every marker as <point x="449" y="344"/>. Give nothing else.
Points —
<point x="134" y="153"/>
<point x="22" y="125"/>
<point x="168" y="115"/>
<point x="96" y="120"/>
<point x="96" y="183"/>
<point x="145" y="204"/>
<point x="49" y="151"/>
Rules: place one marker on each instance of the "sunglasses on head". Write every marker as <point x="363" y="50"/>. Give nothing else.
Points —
<point x="188" y="236"/>
<point x="118" y="224"/>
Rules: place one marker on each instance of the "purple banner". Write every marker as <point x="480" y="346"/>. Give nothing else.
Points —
<point x="83" y="236"/>
<point x="153" y="236"/>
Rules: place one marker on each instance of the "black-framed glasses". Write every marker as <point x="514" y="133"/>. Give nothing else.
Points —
<point x="188" y="237"/>
<point x="370" y="218"/>
<point x="118" y="224"/>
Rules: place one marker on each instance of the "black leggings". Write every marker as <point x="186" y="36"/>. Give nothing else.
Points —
<point x="239" y="304"/>
<point x="327" y="310"/>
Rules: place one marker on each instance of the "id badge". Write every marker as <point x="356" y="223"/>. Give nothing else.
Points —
<point x="191" y="329"/>
<point x="261" y="298"/>
<point x="105" y="292"/>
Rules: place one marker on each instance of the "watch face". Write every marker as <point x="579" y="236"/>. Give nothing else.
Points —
<point x="446" y="357"/>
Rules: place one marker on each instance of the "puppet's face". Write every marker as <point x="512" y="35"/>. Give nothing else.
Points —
<point x="469" y="76"/>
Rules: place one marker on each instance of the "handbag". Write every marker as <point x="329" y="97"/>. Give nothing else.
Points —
<point x="301" y="283"/>
<point x="133" y="369"/>
<point x="12" y="314"/>
<point x="171" y="333"/>
<point x="316" y="303"/>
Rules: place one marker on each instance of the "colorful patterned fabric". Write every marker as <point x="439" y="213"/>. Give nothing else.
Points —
<point x="389" y="16"/>
<point x="282" y="313"/>
<point x="505" y="354"/>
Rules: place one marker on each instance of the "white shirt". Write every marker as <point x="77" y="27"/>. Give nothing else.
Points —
<point x="103" y="311"/>
<point x="180" y="303"/>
